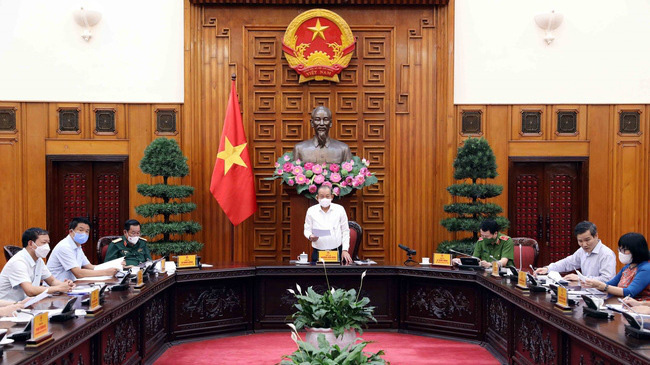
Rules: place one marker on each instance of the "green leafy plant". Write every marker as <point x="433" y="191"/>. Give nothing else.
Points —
<point x="475" y="162"/>
<point x="352" y="354"/>
<point x="337" y="309"/>
<point x="163" y="157"/>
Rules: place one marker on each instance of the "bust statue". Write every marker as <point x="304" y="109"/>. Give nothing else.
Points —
<point x="322" y="148"/>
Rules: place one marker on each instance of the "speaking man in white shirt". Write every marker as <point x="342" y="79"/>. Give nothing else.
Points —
<point x="68" y="261"/>
<point x="328" y="216"/>
<point x="21" y="277"/>
<point x="593" y="258"/>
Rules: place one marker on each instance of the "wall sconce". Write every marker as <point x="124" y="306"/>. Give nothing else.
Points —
<point x="87" y="18"/>
<point x="549" y="22"/>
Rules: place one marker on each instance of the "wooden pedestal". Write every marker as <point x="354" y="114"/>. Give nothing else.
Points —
<point x="298" y="205"/>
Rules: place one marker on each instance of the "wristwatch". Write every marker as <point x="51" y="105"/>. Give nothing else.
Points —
<point x="606" y="287"/>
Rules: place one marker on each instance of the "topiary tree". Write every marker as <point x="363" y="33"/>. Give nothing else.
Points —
<point x="475" y="161"/>
<point x="163" y="157"/>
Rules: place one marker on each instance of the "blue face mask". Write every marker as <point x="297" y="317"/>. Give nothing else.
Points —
<point x="80" y="238"/>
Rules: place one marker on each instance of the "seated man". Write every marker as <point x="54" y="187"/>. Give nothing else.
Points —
<point x="328" y="216"/>
<point x="493" y="246"/>
<point x="593" y="258"/>
<point x="130" y="246"/>
<point x="21" y="277"/>
<point x="68" y="261"/>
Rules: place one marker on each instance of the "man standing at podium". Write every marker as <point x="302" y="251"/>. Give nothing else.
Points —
<point x="326" y="227"/>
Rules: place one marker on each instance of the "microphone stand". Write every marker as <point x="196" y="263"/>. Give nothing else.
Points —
<point x="409" y="261"/>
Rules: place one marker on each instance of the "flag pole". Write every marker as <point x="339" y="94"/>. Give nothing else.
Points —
<point x="233" y="77"/>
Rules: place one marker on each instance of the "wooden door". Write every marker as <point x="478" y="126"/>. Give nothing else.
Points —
<point x="546" y="200"/>
<point x="97" y="190"/>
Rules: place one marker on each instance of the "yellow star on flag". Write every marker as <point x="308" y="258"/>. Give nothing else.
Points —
<point x="231" y="155"/>
<point x="318" y="30"/>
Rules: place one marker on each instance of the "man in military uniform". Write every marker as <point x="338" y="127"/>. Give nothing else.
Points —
<point x="493" y="246"/>
<point x="130" y="246"/>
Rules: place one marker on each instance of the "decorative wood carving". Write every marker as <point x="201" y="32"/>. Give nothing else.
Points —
<point x="629" y="122"/>
<point x="498" y="316"/>
<point x="166" y="122"/>
<point x="531" y="337"/>
<point x="526" y="203"/>
<point x="531" y="122"/>
<point x="154" y="317"/>
<point x="105" y="122"/>
<point x="567" y="122"/>
<point x="471" y="123"/>
<point x="68" y="121"/>
<point x="560" y="216"/>
<point x="74" y="191"/>
<point x="212" y="303"/>
<point x="120" y="343"/>
<point x="8" y="120"/>
<point x="441" y="302"/>
<point x="108" y="204"/>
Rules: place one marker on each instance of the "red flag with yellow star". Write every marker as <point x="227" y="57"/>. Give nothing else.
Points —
<point x="232" y="178"/>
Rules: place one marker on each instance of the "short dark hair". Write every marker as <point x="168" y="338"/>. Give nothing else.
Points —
<point x="31" y="234"/>
<point x="638" y="246"/>
<point x="489" y="225"/>
<point x="585" y="226"/>
<point x="129" y="223"/>
<point x="75" y="222"/>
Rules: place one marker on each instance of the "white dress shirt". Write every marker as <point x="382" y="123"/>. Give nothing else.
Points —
<point x="19" y="269"/>
<point x="65" y="256"/>
<point x="599" y="264"/>
<point x="335" y="220"/>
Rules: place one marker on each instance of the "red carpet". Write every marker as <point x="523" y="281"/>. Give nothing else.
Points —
<point x="268" y="348"/>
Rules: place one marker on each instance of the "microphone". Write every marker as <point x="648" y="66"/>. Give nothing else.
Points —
<point x="409" y="251"/>
<point x="635" y="312"/>
<point x="463" y="254"/>
<point x="520" y="262"/>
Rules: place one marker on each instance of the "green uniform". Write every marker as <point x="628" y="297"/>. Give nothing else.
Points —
<point x="499" y="248"/>
<point x="132" y="253"/>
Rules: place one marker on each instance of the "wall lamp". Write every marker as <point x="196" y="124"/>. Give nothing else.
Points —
<point x="549" y="22"/>
<point x="86" y="19"/>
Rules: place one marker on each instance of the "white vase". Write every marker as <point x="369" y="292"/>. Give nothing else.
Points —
<point x="343" y="340"/>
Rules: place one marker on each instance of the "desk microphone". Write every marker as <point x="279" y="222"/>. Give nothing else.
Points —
<point x="409" y="252"/>
<point x="520" y="261"/>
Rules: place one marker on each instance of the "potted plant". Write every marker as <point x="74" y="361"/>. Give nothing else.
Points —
<point x="337" y="313"/>
<point x="324" y="353"/>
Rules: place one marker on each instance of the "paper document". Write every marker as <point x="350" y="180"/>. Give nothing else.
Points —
<point x="580" y="276"/>
<point x="320" y="232"/>
<point x="96" y="278"/>
<point x="117" y="263"/>
<point x="364" y="262"/>
<point x="36" y="299"/>
<point x="20" y="318"/>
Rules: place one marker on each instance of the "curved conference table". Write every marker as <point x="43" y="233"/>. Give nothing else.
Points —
<point x="517" y="327"/>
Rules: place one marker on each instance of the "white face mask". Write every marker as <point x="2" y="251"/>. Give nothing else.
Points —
<point x="133" y="240"/>
<point x="624" y="258"/>
<point x="325" y="202"/>
<point x="42" y="251"/>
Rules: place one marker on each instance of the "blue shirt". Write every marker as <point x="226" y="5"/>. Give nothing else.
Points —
<point x="641" y="279"/>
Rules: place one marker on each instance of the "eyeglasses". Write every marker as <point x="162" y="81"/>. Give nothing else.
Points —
<point x="622" y="249"/>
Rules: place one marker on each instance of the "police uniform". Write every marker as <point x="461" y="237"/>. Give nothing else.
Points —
<point x="132" y="253"/>
<point x="498" y="247"/>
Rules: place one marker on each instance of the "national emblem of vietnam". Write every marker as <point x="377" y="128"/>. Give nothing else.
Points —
<point x="318" y="44"/>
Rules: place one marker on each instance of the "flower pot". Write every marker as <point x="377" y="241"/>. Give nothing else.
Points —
<point x="343" y="340"/>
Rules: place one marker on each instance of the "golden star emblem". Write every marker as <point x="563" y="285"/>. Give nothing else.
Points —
<point x="231" y="155"/>
<point x="318" y="30"/>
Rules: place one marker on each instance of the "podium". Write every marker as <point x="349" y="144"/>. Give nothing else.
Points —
<point x="298" y="205"/>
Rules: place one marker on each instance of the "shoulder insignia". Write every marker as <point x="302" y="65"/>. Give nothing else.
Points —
<point x="503" y="237"/>
<point x="143" y="239"/>
<point x="480" y="239"/>
<point x="117" y="239"/>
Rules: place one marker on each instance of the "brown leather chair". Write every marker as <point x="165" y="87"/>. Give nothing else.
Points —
<point x="356" y="235"/>
<point x="102" y="246"/>
<point x="10" y="251"/>
<point x="528" y="253"/>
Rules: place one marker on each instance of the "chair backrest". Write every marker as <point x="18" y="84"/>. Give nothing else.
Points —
<point x="527" y="255"/>
<point x="356" y="235"/>
<point x="10" y="251"/>
<point x="102" y="246"/>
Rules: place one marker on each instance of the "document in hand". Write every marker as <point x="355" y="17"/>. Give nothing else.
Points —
<point x="117" y="263"/>
<point x="36" y="299"/>
<point x="321" y="232"/>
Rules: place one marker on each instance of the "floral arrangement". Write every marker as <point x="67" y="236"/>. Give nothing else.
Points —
<point x="307" y="177"/>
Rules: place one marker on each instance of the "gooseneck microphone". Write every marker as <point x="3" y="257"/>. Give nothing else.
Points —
<point x="410" y="252"/>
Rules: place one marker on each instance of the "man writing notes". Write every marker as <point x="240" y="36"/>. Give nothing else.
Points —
<point x="130" y="246"/>
<point x="330" y="222"/>
<point x="21" y="277"/>
<point x="68" y="261"/>
<point x="493" y="246"/>
<point x="593" y="258"/>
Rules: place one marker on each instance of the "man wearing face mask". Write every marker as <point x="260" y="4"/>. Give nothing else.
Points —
<point x="68" y="260"/>
<point x="332" y="217"/>
<point x="130" y="246"/>
<point x="22" y="275"/>
<point x="593" y="258"/>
